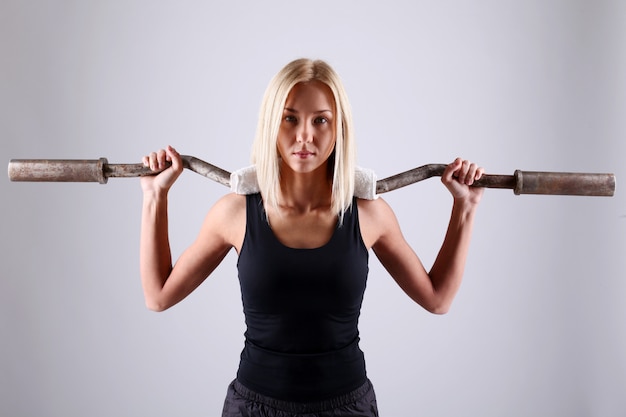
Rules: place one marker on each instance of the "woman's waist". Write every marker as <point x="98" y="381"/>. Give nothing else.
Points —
<point x="297" y="376"/>
<point x="298" y="337"/>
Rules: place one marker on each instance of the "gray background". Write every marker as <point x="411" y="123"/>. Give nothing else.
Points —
<point x="539" y="327"/>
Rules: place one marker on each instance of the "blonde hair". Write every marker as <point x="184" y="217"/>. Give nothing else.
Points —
<point x="264" y="149"/>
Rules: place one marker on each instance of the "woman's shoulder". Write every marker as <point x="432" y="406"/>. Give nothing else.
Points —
<point x="376" y="218"/>
<point x="374" y="208"/>
<point x="230" y="205"/>
<point x="227" y="218"/>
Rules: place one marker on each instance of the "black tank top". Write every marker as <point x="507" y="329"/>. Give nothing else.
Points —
<point x="301" y="309"/>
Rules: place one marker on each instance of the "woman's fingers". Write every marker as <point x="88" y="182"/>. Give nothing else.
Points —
<point x="157" y="161"/>
<point x="465" y="171"/>
<point x="174" y="157"/>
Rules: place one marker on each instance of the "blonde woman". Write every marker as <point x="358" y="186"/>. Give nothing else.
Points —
<point x="303" y="244"/>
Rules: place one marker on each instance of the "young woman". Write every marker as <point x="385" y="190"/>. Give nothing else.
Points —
<point x="303" y="244"/>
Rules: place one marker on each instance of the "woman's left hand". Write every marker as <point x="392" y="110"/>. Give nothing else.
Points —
<point x="458" y="178"/>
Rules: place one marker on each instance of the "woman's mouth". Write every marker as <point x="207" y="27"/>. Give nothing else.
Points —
<point x="303" y="154"/>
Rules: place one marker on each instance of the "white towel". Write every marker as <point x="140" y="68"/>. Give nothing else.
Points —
<point x="243" y="181"/>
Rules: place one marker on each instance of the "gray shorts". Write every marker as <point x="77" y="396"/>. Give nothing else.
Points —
<point x="242" y="402"/>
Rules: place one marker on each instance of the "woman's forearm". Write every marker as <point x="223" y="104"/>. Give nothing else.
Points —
<point x="155" y="255"/>
<point x="449" y="266"/>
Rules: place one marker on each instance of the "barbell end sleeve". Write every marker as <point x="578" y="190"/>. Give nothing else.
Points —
<point x="57" y="170"/>
<point x="564" y="183"/>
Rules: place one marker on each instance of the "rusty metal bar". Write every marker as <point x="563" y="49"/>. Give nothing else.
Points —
<point x="436" y="170"/>
<point x="99" y="170"/>
<point x="189" y="162"/>
<point x="521" y="182"/>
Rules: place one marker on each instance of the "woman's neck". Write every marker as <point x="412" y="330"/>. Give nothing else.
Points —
<point x="304" y="192"/>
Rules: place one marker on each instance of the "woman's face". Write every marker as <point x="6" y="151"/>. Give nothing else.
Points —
<point x="306" y="137"/>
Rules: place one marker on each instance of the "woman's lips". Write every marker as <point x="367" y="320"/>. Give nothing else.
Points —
<point x="303" y="154"/>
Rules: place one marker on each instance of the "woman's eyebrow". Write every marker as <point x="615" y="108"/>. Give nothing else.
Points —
<point x="291" y="110"/>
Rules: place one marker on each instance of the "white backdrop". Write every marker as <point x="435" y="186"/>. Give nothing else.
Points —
<point x="539" y="326"/>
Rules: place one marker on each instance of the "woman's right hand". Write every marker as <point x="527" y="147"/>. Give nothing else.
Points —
<point x="156" y="162"/>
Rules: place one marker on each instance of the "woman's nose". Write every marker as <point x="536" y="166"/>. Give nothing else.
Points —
<point x="304" y="133"/>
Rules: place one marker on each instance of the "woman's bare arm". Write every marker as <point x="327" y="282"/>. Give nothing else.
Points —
<point x="164" y="284"/>
<point x="436" y="289"/>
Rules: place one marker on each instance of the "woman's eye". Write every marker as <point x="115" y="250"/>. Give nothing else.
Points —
<point x="290" y="119"/>
<point x="321" y="120"/>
